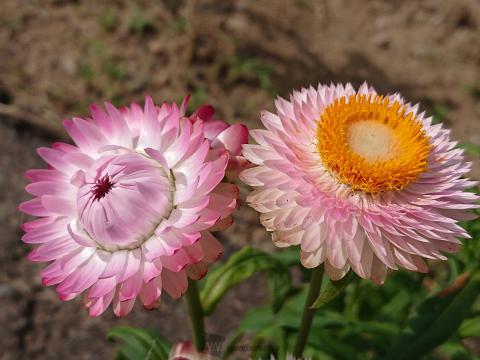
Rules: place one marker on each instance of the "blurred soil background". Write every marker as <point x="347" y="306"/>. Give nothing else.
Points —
<point x="57" y="57"/>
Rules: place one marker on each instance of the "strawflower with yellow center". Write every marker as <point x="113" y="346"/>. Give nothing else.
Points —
<point x="359" y="180"/>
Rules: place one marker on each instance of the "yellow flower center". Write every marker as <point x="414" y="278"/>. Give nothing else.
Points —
<point x="371" y="143"/>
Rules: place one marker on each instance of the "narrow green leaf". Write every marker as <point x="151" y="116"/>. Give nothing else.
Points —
<point x="279" y="284"/>
<point x="280" y="339"/>
<point x="470" y="327"/>
<point x="331" y="290"/>
<point x="435" y="320"/>
<point x="241" y="266"/>
<point x="139" y="344"/>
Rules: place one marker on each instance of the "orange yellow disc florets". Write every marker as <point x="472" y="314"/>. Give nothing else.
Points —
<point x="372" y="143"/>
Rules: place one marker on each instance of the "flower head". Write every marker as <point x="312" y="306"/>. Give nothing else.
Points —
<point x="126" y="212"/>
<point x="358" y="180"/>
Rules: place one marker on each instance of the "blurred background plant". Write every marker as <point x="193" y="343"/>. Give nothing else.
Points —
<point x="58" y="56"/>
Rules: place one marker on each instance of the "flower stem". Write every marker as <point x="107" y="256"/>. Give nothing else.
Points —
<point x="308" y="312"/>
<point x="195" y="311"/>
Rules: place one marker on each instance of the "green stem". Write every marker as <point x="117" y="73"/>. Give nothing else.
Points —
<point x="195" y="311"/>
<point x="308" y="312"/>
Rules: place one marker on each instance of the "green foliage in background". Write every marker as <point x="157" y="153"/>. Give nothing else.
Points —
<point x="139" y="344"/>
<point x="241" y="266"/>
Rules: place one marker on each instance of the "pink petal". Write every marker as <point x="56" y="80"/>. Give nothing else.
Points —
<point x="174" y="283"/>
<point x="232" y="138"/>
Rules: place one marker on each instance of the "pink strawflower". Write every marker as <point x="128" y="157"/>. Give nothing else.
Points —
<point x="359" y="181"/>
<point x="127" y="211"/>
<point x="186" y="351"/>
<point x="222" y="135"/>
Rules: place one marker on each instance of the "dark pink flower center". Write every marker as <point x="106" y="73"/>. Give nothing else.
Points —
<point x="102" y="187"/>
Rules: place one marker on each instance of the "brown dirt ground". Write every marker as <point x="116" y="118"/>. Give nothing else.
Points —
<point x="58" y="56"/>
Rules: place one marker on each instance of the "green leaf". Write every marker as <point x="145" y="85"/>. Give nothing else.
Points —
<point x="241" y="266"/>
<point x="455" y="351"/>
<point x="139" y="344"/>
<point x="255" y="321"/>
<point x="435" y="320"/>
<point x="332" y="345"/>
<point x="288" y="256"/>
<point x="470" y="327"/>
<point x="331" y="290"/>
<point x="375" y="327"/>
